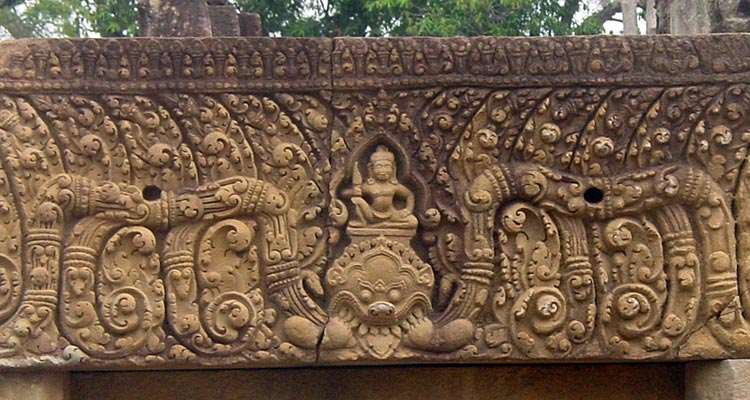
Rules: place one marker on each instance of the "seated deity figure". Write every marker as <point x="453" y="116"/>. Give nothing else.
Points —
<point x="375" y="200"/>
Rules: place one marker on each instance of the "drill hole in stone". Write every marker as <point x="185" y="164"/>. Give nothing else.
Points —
<point x="743" y="9"/>
<point x="593" y="195"/>
<point x="152" y="192"/>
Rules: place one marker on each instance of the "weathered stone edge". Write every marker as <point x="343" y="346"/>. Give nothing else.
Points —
<point x="238" y="64"/>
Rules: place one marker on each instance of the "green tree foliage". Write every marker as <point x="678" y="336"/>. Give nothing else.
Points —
<point x="69" y="18"/>
<point x="485" y="17"/>
<point x="113" y="17"/>
<point x="56" y="17"/>
<point x="319" y="17"/>
<point x="422" y="17"/>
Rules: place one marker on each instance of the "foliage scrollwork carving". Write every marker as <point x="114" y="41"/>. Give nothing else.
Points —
<point x="291" y="201"/>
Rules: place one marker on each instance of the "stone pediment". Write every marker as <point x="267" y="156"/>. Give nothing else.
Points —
<point x="289" y="201"/>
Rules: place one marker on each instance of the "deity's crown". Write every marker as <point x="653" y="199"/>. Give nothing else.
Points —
<point x="382" y="153"/>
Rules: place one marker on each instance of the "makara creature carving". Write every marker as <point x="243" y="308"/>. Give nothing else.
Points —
<point x="291" y="201"/>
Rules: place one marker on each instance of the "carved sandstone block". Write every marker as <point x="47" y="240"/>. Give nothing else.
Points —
<point x="173" y="202"/>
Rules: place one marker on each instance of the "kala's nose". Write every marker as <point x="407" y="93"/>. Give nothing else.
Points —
<point x="381" y="309"/>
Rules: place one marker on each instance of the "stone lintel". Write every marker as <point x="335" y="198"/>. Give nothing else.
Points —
<point x="254" y="202"/>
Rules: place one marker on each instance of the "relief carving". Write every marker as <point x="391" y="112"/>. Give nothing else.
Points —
<point x="380" y="288"/>
<point x="237" y="202"/>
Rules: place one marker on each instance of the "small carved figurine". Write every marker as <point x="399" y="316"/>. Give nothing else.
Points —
<point x="376" y="199"/>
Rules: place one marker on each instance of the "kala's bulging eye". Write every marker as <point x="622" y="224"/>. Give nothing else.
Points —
<point x="394" y="295"/>
<point x="365" y="295"/>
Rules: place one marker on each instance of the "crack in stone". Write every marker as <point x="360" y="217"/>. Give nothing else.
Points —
<point x="319" y="342"/>
<point x="715" y="315"/>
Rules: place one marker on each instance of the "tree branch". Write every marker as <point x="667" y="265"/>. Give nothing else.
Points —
<point x="607" y="12"/>
<point x="12" y="22"/>
<point x="570" y="7"/>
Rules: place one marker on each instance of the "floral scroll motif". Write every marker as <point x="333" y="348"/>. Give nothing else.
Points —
<point x="287" y="201"/>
